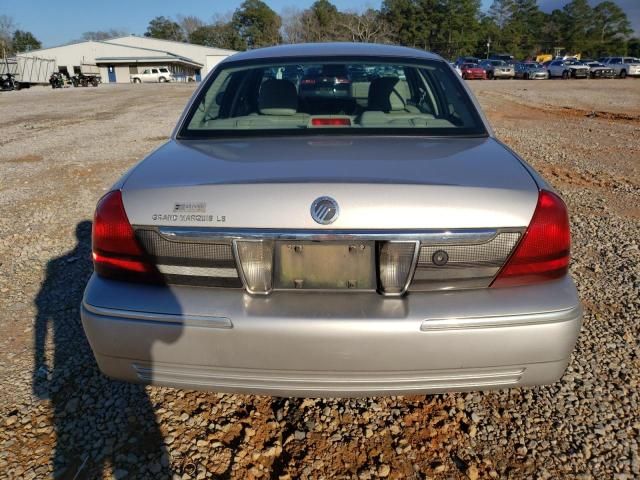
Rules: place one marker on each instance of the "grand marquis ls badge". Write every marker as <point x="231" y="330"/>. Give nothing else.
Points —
<point x="325" y="210"/>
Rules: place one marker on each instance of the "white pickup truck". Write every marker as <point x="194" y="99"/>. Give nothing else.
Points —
<point x="153" y="75"/>
<point x="624" y="66"/>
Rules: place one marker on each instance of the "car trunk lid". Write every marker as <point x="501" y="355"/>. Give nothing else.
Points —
<point x="379" y="183"/>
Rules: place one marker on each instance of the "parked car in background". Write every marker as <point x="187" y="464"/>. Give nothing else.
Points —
<point x="153" y="75"/>
<point x="531" y="71"/>
<point x="460" y="60"/>
<point x="497" y="69"/>
<point x="269" y="248"/>
<point x="456" y="68"/>
<point x="328" y="80"/>
<point x="568" y="69"/>
<point x="600" y="70"/>
<point x="473" y="71"/>
<point x="624" y="66"/>
<point x="577" y="69"/>
<point x="505" y="57"/>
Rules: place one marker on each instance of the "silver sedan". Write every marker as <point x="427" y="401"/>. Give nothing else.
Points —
<point x="531" y="71"/>
<point x="371" y="238"/>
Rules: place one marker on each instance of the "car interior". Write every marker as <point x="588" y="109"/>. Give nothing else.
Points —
<point x="333" y="96"/>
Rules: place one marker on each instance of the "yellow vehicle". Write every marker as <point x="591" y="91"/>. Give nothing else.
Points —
<point x="545" y="57"/>
<point x="558" y="52"/>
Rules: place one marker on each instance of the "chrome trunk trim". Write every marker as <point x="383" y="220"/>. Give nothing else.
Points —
<point x="198" y="271"/>
<point x="430" y="237"/>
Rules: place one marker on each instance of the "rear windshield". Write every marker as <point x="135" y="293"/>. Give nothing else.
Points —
<point x="356" y="97"/>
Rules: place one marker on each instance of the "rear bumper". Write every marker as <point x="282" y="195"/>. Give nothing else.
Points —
<point x="504" y="74"/>
<point x="306" y="344"/>
<point x="580" y="73"/>
<point x="603" y="74"/>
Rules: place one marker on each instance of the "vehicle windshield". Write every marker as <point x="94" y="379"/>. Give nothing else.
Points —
<point x="498" y="63"/>
<point x="358" y="97"/>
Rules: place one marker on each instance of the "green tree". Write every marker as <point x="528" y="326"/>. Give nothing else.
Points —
<point x="552" y="32"/>
<point x="500" y="11"/>
<point x="402" y="17"/>
<point x="257" y="24"/>
<point x="576" y="23"/>
<point x="320" y="22"/>
<point x="456" y="27"/>
<point x="488" y="32"/>
<point x="220" y="35"/>
<point x="610" y="29"/>
<point x="164" y="28"/>
<point x="527" y="22"/>
<point x="7" y="27"/>
<point x="633" y="47"/>
<point x="25" y="42"/>
<point x="104" y="34"/>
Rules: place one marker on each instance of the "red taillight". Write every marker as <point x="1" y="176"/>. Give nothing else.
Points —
<point x="543" y="251"/>
<point x="116" y="252"/>
<point x="332" y="122"/>
<point x="308" y="81"/>
<point x="342" y="81"/>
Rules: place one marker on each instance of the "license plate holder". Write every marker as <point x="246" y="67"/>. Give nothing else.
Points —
<point x="325" y="265"/>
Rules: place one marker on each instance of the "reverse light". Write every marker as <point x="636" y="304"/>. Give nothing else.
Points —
<point x="256" y="264"/>
<point x="396" y="261"/>
<point x="116" y="252"/>
<point x="543" y="252"/>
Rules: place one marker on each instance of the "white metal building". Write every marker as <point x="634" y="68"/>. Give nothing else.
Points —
<point x="118" y="58"/>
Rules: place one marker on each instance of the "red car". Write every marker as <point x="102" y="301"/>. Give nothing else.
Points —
<point x="471" y="71"/>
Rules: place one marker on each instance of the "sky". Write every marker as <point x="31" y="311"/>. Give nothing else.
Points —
<point x="57" y="22"/>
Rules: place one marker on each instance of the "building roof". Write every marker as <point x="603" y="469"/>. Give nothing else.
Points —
<point x="333" y="49"/>
<point x="114" y="41"/>
<point x="163" y="58"/>
<point x="169" y="42"/>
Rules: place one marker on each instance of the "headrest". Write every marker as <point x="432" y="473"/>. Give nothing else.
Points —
<point x="278" y="97"/>
<point x="382" y="95"/>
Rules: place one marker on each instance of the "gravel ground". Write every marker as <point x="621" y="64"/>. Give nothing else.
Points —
<point x="60" y="417"/>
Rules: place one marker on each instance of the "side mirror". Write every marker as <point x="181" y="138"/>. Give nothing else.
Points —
<point x="219" y="98"/>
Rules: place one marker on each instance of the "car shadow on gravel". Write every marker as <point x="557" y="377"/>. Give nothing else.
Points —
<point x="100" y="424"/>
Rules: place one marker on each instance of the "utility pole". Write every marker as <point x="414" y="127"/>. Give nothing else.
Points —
<point x="488" y="46"/>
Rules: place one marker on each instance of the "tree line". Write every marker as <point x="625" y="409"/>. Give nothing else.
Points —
<point x="13" y="40"/>
<point x="448" y="27"/>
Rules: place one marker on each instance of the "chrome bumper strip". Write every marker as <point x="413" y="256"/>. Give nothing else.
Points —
<point x="166" y="318"/>
<point x="440" y="324"/>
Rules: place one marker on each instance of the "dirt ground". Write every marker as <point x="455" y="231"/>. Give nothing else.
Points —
<point x="60" y="150"/>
